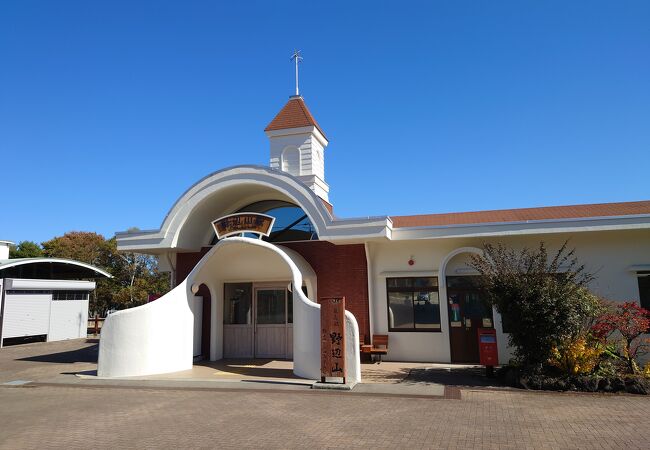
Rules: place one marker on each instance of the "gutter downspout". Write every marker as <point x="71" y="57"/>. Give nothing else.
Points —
<point x="370" y="288"/>
<point x="2" y="307"/>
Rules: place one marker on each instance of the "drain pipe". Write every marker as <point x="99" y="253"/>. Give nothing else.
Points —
<point x="370" y="277"/>
<point x="2" y="308"/>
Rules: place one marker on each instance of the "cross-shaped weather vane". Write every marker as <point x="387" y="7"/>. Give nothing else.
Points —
<point x="297" y="58"/>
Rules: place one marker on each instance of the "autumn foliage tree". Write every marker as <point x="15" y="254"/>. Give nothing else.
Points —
<point x="78" y="245"/>
<point x="135" y="276"/>
<point x="630" y="321"/>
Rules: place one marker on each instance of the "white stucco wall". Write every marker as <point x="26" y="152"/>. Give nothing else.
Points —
<point x="158" y="337"/>
<point x="608" y="254"/>
<point x="152" y="338"/>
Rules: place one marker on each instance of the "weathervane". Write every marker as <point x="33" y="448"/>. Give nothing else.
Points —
<point x="297" y="58"/>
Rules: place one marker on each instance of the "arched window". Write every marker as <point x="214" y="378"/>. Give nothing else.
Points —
<point x="291" y="160"/>
<point x="291" y="222"/>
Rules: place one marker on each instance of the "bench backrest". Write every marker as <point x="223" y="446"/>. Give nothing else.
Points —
<point x="380" y="340"/>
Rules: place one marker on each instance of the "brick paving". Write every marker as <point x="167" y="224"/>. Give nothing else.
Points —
<point x="110" y="417"/>
<point x="45" y="361"/>
<point x="143" y="416"/>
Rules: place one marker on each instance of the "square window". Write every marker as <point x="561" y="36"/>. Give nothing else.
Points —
<point x="413" y="304"/>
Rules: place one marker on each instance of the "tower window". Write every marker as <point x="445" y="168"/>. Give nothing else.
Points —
<point x="291" y="160"/>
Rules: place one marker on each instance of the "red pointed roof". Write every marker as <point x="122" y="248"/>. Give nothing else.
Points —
<point x="294" y="114"/>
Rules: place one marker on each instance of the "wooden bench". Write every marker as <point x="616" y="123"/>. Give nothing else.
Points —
<point x="379" y="346"/>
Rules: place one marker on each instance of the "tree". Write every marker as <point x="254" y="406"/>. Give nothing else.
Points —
<point x="630" y="321"/>
<point x="82" y="246"/>
<point x="25" y="249"/>
<point x="135" y="276"/>
<point x="544" y="300"/>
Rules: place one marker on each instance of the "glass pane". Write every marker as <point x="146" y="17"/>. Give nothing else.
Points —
<point x="400" y="310"/>
<point x="463" y="282"/>
<point x="237" y="303"/>
<point x="426" y="310"/>
<point x="399" y="282"/>
<point x="289" y="307"/>
<point x="475" y="306"/>
<point x="425" y="282"/>
<point x="454" y="308"/>
<point x="290" y="303"/>
<point x="270" y="306"/>
<point x="291" y="222"/>
<point x="644" y="291"/>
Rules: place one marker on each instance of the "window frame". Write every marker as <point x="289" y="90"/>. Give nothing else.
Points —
<point x="289" y="153"/>
<point x="413" y="290"/>
<point x="643" y="283"/>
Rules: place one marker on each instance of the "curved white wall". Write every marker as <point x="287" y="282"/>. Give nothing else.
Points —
<point x="158" y="337"/>
<point x="152" y="338"/>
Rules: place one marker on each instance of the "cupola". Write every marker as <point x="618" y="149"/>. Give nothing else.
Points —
<point x="298" y="145"/>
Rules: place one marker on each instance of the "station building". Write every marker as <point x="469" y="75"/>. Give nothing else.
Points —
<point x="402" y="276"/>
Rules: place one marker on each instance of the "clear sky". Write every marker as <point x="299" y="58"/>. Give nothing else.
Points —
<point x="110" y="110"/>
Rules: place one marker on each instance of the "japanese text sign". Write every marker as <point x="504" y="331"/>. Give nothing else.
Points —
<point x="332" y="322"/>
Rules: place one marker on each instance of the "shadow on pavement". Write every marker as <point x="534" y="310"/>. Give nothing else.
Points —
<point x="87" y="354"/>
<point x="92" y="373"/>
<point x="462" y="376"/>
<point x="260" y="368"/>
<point x="280" y="383"/>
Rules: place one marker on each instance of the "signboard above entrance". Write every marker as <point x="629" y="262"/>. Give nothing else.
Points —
<point x="239" y="223"/>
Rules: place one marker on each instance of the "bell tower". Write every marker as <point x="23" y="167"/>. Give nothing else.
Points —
<point x="298" y="143"/>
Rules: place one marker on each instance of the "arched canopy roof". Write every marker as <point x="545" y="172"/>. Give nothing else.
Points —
<point x="187" y="225"/>
<point x="49" y="269"/>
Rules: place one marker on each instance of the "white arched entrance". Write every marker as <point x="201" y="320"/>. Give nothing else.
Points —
<point x="254" y="269"/>
<point x="462" y="302"/>
<point x="158" y="337"/>
<point x="444" y="265"/>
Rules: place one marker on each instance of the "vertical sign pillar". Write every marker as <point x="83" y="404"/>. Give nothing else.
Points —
<point x="332" y="338"/>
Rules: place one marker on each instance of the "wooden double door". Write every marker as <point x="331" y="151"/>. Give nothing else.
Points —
<point x="258" y="321"/>
<point x="468" y="311"/>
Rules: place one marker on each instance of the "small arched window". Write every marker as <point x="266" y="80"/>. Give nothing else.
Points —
<point x="291" y="160"/>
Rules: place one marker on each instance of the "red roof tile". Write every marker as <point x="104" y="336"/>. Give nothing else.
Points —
<point x="524" y="214"/>
<point x="294" y="114"/>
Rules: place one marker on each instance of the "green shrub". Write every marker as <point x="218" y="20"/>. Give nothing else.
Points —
<point x="544" y="300"/>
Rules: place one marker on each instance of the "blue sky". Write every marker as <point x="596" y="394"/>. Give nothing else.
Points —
<point x="110" y="110"/>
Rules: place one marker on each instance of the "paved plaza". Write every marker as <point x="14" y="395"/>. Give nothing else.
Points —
<point x="52" y="413"/>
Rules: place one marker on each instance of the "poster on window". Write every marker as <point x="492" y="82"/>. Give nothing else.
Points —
<point x="332" y="321"/>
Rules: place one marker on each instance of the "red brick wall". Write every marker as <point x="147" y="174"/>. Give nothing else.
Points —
<point x="185" y="262"/>
<point x="341" y="270"/>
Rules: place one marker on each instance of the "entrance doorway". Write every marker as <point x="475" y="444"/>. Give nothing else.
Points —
<point x="258" y="321"/>
<point x="468" y="312"/>
<point x="271" y="323"/>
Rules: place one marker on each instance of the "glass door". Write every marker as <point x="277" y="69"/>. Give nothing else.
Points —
<point x="467" y="313"/>
<point x="238" y="320"/>
<point x="270" y="323"/>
